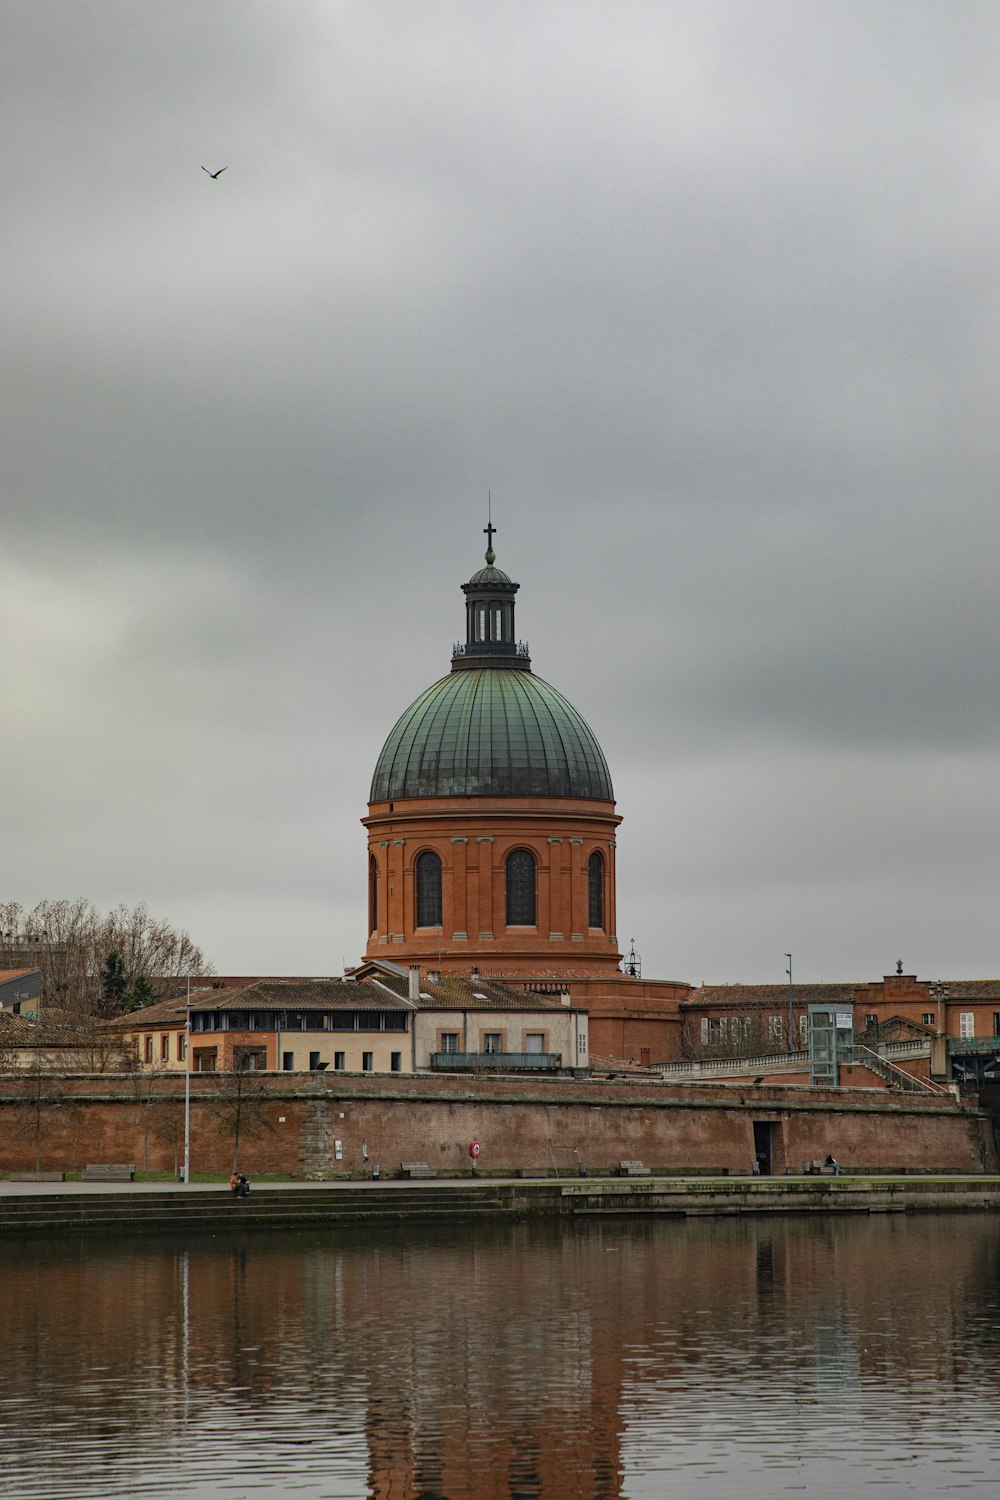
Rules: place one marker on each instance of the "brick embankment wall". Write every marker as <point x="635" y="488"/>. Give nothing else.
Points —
<point x="304" y="1126"/>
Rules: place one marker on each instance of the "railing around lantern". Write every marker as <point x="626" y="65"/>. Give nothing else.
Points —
<point x="491" y="648"/>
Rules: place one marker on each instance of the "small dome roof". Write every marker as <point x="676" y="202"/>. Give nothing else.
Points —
<point x="487" y="575"/>
<point x="483" y="732"/>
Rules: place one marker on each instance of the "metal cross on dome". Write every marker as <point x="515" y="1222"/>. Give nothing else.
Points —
<point x="489" y="531"/>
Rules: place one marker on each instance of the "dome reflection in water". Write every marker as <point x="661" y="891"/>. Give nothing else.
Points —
<point x="832" y="1356"/>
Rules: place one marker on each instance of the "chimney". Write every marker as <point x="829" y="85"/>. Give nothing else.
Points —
<point x="414" y="982"/>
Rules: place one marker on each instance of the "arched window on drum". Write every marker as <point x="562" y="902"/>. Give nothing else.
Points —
<point x="521" y="881"/>
<point x="428" y="889"/>
<point x="372" y="894"/>
<point x="595" y="890"/>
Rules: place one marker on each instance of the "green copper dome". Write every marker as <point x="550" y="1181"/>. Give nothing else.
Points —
<point x="491" y="731"/>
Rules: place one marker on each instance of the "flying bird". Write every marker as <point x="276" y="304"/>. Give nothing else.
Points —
<point x="214" y="175"/>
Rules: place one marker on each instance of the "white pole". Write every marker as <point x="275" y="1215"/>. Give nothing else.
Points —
<point x="187" y="1088"/>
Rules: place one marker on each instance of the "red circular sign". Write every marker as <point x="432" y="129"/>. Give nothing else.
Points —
<point x="474" y="1150"/>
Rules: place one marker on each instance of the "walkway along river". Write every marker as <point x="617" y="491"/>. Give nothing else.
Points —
<point x="144" y="1208"/>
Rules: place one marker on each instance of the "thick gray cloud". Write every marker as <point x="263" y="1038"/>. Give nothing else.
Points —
<point x="705" y="294"/>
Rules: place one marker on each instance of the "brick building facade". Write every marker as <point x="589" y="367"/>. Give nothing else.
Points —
<point x="492" y="836"/>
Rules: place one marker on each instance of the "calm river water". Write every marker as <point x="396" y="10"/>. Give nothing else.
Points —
<point x="716" y="1358"/>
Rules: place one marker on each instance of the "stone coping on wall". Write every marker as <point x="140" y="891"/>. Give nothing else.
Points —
<point x="597" y="1093"/>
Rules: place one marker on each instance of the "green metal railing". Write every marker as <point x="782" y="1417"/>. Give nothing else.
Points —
<point x="496" y="1062"/>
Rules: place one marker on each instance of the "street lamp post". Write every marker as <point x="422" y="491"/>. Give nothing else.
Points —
<point x="187" y="1088"/>
<point x="791" y="1008"/>
<point x="940" y="993"/>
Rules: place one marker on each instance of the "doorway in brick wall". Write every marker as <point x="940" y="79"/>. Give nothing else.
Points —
<point x="764" y="1144"/>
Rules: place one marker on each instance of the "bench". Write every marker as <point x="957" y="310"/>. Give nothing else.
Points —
<point x="38" y="1177"/>
<point x="632" y="1169"/>
<point x="818" y="1169"/>
<point x="416" y="1169"/>
<point x="113" y="1171"/>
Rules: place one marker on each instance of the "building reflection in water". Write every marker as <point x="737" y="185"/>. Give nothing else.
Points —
<point x="498" y="1362"/>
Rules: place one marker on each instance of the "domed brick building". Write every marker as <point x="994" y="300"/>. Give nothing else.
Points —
<point x="492" y="837"/>
<point x="491" y="821"/>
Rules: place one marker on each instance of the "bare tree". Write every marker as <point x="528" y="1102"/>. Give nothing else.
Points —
<point x="8" y="1048"/>
<point x="241" y="1103"/>
<point x="752" y="1033"/>
<point x="39" y="1091"/>
<point x="93" y="963"/>
<point x="147" y="1092"/>
<point x="166" y="1124"/>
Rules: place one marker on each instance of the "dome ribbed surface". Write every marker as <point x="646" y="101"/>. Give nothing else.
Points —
<point x="488" y="575"/>
<point x="485" y="732"/>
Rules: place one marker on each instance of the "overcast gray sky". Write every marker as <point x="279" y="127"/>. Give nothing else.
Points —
<point x="707" y="294"/>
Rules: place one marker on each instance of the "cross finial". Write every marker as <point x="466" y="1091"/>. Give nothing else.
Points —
<point x="489" y="531"/>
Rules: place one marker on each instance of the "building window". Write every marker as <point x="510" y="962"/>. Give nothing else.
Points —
<point x="775" y="1029"/>
<point x="313" y="1061"/>
<point x="181" y="1046"/>
<point x="521" y="889"/>
<point x="996" y="1023"/>
<point x="205" y="1059"/>
<point x="871" y="1022"/>
<point x="967" y="1025"/>
<point x="534" y="1042"/>
<point x="373" y="894"/>
<point x="595" y="890"/>
<point x="338" y="1062"/>
<point x="428" y="889"/>
<point x="149" y="1049"/>
<point x="396" y="1062"/>
<point x="492" y="1041"/>
<point x="287" y="1062"/>
<point x="928" y="1018"/>
<point x="367" y="1062"/>
<point x="449" y="1041"/>
<point x="164" y="1049"/>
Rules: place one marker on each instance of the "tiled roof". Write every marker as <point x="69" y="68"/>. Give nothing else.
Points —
<point x="54" y="1028"/>
<point x="164" y="1013"/>
<point x="762" y="996"/>
<point x="306" y="994"/>
<point x="388" y="992"/>
<point x="972" y="989"/>
<point x="270" y="994"/>
<point x="475" y="992"/>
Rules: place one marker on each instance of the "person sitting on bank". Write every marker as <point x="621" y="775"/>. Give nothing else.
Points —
<point x="832" y="1161"/>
